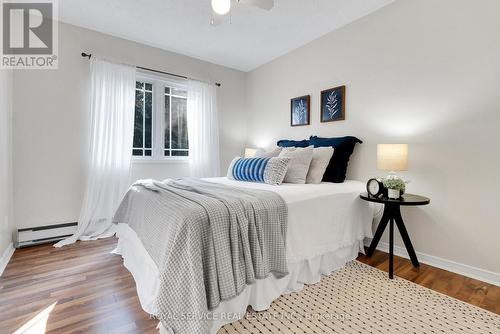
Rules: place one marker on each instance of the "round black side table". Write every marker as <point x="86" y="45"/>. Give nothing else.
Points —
<point x="392" y="213"/>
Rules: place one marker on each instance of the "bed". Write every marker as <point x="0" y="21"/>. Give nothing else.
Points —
<point x="327" y="224"/>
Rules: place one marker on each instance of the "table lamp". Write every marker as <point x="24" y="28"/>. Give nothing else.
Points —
<point x="392" y="158"/>
<point x="250" y="152"/>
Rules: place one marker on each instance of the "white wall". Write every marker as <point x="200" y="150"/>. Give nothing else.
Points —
<point x="423" y="72"/>
<point x="51" y="114"/>
<point x="6" y="221"/>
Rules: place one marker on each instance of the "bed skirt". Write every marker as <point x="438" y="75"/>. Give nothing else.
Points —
<point x="259" y="295"/>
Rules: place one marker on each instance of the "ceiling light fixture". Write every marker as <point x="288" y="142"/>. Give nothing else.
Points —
<point x="221" y="7"/>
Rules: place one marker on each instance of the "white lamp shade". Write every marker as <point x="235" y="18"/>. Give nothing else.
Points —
<point x="392" y="157"/>
<point x="221" y="7"/>
<point x="250" y="152"/>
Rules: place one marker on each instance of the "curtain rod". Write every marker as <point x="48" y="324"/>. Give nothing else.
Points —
<point x="88" y="55"/>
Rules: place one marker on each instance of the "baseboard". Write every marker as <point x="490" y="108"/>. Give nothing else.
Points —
<point x="4" y="260"/>
<point x="459" y="268"/>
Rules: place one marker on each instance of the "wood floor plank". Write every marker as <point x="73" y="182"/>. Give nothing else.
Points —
<point x="94" y="293"/>
<point x="467" y="289"/>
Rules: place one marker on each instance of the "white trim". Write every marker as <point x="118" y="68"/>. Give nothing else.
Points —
<point x="166" y="160"/>
<point x="7" y="254"/>
<point x="159" y="83"/>
<point x="456" y="267"/>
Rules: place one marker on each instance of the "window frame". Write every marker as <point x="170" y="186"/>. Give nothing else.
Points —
<point x="153" y="130"/>
<point x="170" y="96"/>
<point x="158" y="132"/>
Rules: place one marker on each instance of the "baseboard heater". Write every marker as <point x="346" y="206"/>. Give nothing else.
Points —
<point x="44" y="234"/>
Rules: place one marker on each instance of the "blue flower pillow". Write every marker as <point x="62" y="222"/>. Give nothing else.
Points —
<point x="265" y="170"/>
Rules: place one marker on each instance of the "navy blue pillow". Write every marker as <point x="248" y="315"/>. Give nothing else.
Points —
<point x="293" y="143"/>
<point x="343" y="148"/>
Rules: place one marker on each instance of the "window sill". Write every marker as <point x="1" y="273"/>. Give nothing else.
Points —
<point x="179" y="160"/>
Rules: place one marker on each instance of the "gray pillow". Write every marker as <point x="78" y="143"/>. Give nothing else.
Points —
<point x="269" y="154"/>
<point x="320" y="160"/>
<point x="300" y="159"/>
<point x="276" y="170"/>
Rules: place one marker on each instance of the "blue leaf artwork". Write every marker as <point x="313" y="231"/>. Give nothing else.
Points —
<point x="300" y="110"/>
<point x="333" y="104"/>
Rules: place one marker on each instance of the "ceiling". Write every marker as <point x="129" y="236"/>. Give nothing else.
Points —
<point x="253" y="38"/>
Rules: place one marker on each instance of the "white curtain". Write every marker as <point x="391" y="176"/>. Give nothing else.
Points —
<point x="5" y="159"/>
<point x="203" y="129"/>
<point x="111" y="136"/>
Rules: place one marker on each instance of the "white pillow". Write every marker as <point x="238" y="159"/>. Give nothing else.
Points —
<point x="269" y="154"/>
<point x="300" y="159"/>
<point x="320" y="160"/>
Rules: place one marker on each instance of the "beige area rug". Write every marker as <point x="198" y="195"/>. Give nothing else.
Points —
<point x="362" y="299"/>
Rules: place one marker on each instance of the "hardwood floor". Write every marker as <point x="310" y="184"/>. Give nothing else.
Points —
<point x="469" y="290"/>
<point x="83" y="288"/>
<point x="93" y="291"/>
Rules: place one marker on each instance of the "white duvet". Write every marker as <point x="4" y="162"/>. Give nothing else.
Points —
<point x="321" y="217"/>
<point x="327" y="223"/>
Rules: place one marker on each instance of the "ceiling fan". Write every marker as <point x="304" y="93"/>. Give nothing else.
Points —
<point x="223" y="7"/>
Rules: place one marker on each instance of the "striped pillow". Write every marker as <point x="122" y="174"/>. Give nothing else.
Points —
<point x="266" y="170"/>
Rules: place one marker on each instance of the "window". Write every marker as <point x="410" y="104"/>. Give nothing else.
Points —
<point x="143" y="121"/>
<point x="160" y="122"/>
<point x="176" y="134"/>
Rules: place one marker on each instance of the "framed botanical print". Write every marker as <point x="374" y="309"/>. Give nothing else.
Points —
<point x="300" y="110"/>
<point x="333" y="104"/>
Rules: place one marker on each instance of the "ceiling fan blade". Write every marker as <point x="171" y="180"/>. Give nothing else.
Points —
<point x="264" y="4"/>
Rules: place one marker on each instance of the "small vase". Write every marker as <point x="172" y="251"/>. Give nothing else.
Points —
<point x="393" y="193"/>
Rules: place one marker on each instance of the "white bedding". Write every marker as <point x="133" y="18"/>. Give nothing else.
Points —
<point x="327" y="223"/>
<point x="321" y="217"/>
